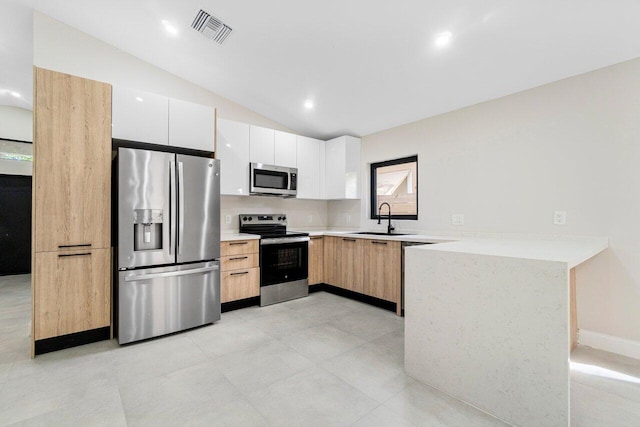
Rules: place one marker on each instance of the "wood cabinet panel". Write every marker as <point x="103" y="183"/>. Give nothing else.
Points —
<point x="382" y="274"/>
<point x="237" y="262"/>
<point x="73" y="292"/>
<point x="237" y="247"/>
<point x="240" y="284"/>
<point x="316" y="260"/>
<point x="72" y="168"/>
<point x="351" y="265"/>
<point x="330" y="270"/>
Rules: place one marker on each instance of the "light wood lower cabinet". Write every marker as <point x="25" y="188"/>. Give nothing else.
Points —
<point x="73" y="292"/>
<point x="350" y="264"/>
<point x="240" y="271"/>
<point x="331" y="251"/>
<point x="316" y="260"/>
<point x="240" y="284"/>
<point x="382" y="269"/>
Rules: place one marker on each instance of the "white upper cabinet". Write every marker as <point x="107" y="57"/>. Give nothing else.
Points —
<point x="140" y="116"/>
<point x="191" y="125"/>
<point x="261" y="145"/>
<point x="285" y="149"/>
<point x="233" y="151"/>
<point x="342" y="168"/>
<point x="309" y="167"/>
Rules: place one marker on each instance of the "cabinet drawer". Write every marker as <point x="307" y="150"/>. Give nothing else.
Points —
<point x="237" y="247"/>
<point x="72" y="292"/>
<point x="237" y="262"/>
<point x="240" y="284"/>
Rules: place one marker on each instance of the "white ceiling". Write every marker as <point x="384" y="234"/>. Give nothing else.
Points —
<point x="367" y="64"/>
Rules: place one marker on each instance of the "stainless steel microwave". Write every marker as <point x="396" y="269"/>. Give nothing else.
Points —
<point x="270" y="180"/>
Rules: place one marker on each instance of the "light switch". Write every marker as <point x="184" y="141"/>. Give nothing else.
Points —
<point x="227" y="219"/>
<point x="310" y="218"/>
<point x="457" y="219"/>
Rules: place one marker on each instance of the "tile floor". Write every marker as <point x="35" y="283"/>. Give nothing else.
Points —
<point x="319" y="361"/>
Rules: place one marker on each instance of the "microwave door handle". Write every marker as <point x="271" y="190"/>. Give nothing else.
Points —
<point x="172" y="207"/>
<point x="181" y="206"/>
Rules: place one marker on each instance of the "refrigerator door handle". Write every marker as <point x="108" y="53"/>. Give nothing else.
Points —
<point x="135" y="278"/>
<point x="172" y="207"/>
<point x="181" y="207"/>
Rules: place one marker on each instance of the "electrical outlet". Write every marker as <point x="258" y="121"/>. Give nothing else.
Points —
<point x="457" y="219"/>
<point x="560" y="218"/>
<point x="348" y="219"/>
<point x="227" y="219"/>
<point x="310" y="218"/>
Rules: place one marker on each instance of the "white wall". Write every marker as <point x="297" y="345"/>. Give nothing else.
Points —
<point x="65" y="49"/>
<point x="62" y="48"/>
<point x="507" y="164"/>
<point x="16" y="123"/>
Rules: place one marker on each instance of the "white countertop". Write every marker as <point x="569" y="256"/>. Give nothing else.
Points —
<point x="573" y="251"/>
<point x="229" y="237"/>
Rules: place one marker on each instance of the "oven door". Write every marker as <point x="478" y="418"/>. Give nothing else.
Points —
<point x="283" y="259"/>
<point x="272" y="180"/>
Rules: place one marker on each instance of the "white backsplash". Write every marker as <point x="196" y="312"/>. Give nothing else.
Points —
<point x="298" y="211"/>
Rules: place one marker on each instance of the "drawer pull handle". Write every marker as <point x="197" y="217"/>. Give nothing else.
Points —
<point x="349" y="240"/>
<point x="315" y="237"/>
<point x="238" y="274"/>
<point x="238" y="243"/>
<point x="379" y="243"/>
<point x="82" y="254"/>
<point x="84" y="245"/>
<point x="238" y="258"/>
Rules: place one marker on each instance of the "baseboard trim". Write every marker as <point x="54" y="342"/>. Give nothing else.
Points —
<point x="609" y="343"/>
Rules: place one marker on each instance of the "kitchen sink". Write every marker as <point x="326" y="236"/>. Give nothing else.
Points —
<point x="379" y="233"/>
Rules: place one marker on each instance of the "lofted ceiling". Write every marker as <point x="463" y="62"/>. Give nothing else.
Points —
<point x="367" y="65"/>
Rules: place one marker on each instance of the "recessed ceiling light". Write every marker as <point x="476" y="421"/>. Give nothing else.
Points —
<point x="170" y="28"/>
<point x="308" y="104"/>
<point x="15" y="94"/>
<point x="443" y="39"/>
<point x="139" y="99"/>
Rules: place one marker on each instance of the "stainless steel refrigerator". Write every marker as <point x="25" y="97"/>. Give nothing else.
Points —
<point x="168" y="243"/>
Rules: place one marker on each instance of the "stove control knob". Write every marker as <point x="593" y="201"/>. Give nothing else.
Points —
<point x="250" y="218"/>
<point x="284" y="218"/>
<point x="244" y="218"/>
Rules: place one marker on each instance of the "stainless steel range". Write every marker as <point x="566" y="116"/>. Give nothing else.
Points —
<point x="284" y="257"/>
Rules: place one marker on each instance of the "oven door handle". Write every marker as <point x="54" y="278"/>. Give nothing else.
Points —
<point x="282" y="240"/>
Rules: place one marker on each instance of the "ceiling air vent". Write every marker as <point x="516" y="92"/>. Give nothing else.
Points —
<point x="211" y="27"/>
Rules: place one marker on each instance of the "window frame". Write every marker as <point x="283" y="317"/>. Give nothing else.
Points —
<point x="373" y="195"/>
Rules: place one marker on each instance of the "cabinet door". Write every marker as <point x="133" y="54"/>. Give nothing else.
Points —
<point x="72" y="168"/>
<point x="191" y="125"/>
<point x="308" y="161"/>
<point x="285" y="149"/>
<point x="334" y="168"/>
<point x="331" y="266"/>
<point x="316" y="260"/>
<point x="73" y="292"/>
<point x="239" y="284"/>
<point x="233" y="151"/>
<point x="140" y="116"/>
<point x="261" y="147"/>
<point x="352" y="168"/>
<point x="351" y="268"/>
<point x="382" y="270"/>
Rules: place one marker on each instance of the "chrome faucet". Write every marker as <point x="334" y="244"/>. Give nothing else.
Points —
<point x="389" y="227"/>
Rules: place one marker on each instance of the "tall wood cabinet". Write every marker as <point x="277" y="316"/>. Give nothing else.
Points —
<point x="71" y="281"/>
<point x="316" y="260"/>
<point x="382" y="274"/>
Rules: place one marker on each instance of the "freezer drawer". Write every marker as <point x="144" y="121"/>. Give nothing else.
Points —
<point x="162" y="300"/>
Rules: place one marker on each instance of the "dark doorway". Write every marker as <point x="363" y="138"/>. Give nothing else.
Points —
<point x="15" y="224"/>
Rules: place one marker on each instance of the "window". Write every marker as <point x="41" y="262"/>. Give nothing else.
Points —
<point x="395" y="182"/>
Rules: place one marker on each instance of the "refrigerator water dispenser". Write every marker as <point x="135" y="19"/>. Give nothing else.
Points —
<point x="147" y="229"/>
